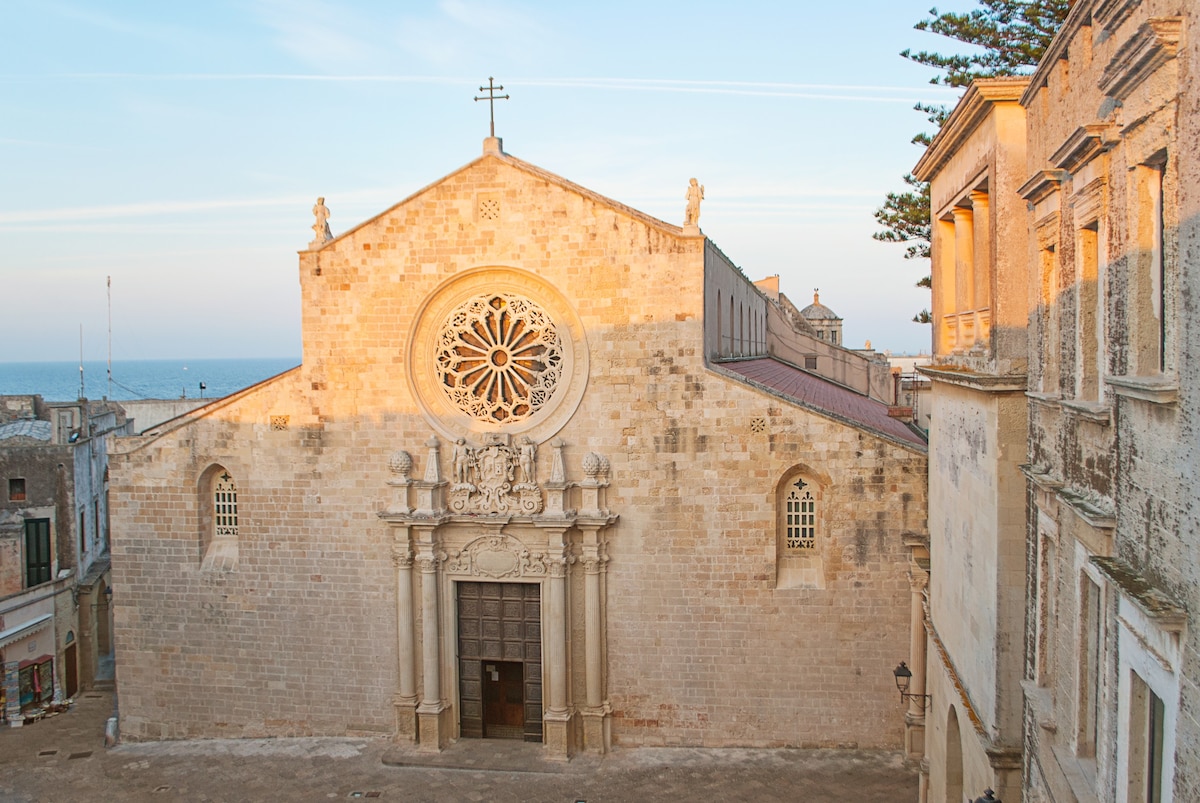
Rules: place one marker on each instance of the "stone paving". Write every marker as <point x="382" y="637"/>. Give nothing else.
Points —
<point x="63" y="759"/>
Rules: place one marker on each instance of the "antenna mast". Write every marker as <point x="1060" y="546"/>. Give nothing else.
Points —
<point x="109" y="396"/>
<point x="81" y="361"/>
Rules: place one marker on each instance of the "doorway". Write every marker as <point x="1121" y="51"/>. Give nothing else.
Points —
<point x="500" y="660"/>
<point x="503" y="700"/>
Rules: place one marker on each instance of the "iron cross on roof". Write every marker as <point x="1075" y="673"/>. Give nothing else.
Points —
<point x="491" y="98"/>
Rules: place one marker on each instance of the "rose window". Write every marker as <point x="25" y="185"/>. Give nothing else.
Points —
<point x="499" y="358"/>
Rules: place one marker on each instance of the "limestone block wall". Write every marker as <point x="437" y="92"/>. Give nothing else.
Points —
<point x="702" y="648"/>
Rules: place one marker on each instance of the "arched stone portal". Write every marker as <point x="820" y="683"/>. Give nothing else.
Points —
<point x="483" y="540"/>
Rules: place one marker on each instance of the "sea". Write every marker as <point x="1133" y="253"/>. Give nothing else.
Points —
<point x="139" y="379"/>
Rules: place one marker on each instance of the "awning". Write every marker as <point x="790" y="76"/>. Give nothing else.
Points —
<point x="15" y="634"/>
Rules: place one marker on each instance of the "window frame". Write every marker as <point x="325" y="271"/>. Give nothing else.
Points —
<point x="39" y="529"/>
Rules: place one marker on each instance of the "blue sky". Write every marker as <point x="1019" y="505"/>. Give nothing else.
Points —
<point x="179" y="147"/>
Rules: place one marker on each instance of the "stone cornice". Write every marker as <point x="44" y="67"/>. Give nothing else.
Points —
<point x="1156" y="389"/>
<point x="1154" y="603"/>
<point x="1078" y="17"/>
<point x="989" y="383"/>
<point x="1108" y="14"/>
<point x="1041" y="184"/>
<point x="1089" y="511"/>
<point x="1153" y="45"/>
<point x="971" y="110"/>
<point x="1085" y="144"/>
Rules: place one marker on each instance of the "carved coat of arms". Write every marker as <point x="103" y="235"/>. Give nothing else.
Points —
<point x="495" y="478"/>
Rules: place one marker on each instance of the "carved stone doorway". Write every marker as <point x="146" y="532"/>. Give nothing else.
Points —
<point x="500" y="660"/>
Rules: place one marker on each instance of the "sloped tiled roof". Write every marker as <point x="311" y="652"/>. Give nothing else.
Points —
<point x="816" y="393"/>
<point x="35" y="430"/>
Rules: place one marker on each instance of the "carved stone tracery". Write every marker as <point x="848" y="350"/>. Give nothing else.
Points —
<point x="499" y="358"/>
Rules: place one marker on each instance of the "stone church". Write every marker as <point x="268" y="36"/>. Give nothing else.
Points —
<point x="551" y="469"/>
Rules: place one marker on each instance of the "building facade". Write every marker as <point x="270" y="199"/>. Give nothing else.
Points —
<point x="55" y="623"/>
<point x="1097" y="402"/>
<point x="975" y="597"/>
<point x="541" y="475"/>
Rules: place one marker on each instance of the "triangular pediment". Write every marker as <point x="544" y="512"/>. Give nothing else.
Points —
<point x="508" y="161"/>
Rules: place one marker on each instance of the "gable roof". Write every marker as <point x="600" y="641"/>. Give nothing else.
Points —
<point x="530" y="169"/>
<point x="825" y="397"/>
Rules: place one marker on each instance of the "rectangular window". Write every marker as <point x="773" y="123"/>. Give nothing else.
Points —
<point x="1090" y="641"/>
<point x="1046" y="610"/>
<point x="1146" y="719"/>
<point x="1088" y="347"/>
<point x="16" y="489"/>
<point x="1149" y="303"/>
<point x="810" y="363"/>
<point x="37" y="551"/>
<point x="1049" y="314"/>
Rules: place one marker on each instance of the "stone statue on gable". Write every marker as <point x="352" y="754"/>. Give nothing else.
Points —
<point x="320" y="226"/>
<point x="695" y="194"/>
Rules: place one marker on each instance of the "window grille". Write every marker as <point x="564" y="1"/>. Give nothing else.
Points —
<point x="225" y="506"/>
<point x="801" y="519"/>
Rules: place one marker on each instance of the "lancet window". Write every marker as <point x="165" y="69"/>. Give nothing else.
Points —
<point x="219" y="525"/>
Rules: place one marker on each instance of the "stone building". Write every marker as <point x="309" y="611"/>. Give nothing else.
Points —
<point x="55" y="627"/>
<point x="1091" y="385"/>
<point x="543" y="474"/>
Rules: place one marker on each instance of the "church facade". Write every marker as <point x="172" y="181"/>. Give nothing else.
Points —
<point x="543" y="475"/>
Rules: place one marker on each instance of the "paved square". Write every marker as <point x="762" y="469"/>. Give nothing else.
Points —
<point x="63" y="759"/>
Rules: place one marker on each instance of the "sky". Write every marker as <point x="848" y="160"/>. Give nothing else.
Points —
<point x="178" y="148"/>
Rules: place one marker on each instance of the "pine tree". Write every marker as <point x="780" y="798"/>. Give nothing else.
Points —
<point x="1011" y="36"/>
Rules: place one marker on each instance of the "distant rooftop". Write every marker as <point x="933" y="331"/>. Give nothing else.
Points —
<point x="36" y="430"/>
<point x="814" y="392"/>
<point x="817" y="311"/>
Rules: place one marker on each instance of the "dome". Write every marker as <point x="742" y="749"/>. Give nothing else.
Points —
<point x="817" y="311"/>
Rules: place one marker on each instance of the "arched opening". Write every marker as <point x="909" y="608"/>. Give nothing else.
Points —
<point x="801" y="529"/>
<point x="720" y="351"/>
<point x="954" y="759"/>
<point x="218" y="506"/>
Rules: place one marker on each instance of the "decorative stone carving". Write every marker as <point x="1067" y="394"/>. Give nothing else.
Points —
<point x="320" y="227"/>
<point x="595" y="466"/>
<point x="433" y="467"/>
<point x="497" y="350"/>
<point x="429" y="563"/>
<point x="499" y="358"/>
<point x="558" y="474"/>
<point x="594" y="564"/>
<point x="402" y="556"/>
<point x="497" y="556"/>
<point x="558" y="566"/>
<point x="695" y="194"/>
<point x="495" y="478"/>
<point x="400" y="464"/>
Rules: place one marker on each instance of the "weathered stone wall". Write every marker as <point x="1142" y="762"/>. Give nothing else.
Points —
<point x="1112" y="449"/>
<point x="978" y="430"/>
<point x="701" y="646"/>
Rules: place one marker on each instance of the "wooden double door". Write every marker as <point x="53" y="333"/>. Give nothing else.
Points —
<point x="500" y="660"/>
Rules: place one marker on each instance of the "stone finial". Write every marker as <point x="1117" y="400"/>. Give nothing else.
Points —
<point x="433" y="466"/>
<point x="695" y="194"/>
<point x="595" y="465"/>
<point x="320" y="227"/>
<point x="400" y="463"/>
<point x="558" y="474"/>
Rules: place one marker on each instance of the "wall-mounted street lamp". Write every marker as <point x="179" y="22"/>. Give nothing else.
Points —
<point x="988" y="797"/>
<point x="903" y="678"/>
